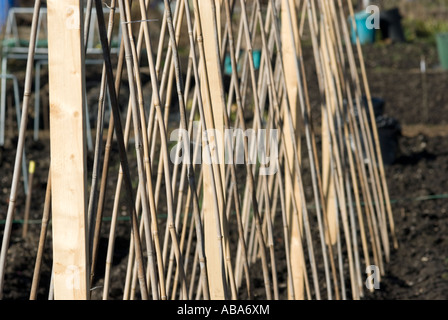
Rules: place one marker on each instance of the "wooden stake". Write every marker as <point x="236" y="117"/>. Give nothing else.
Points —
<point x="28" y="198"/>
<point x="288" y="55"/>
<point x="68" y="150"/>
<point x="214" y="119"/>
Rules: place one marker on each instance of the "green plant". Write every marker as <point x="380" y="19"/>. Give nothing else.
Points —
<point x="416" y="29"/>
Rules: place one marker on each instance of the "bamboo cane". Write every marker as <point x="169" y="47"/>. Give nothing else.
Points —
<point x="155" y="227"/>
<point x="325" y="221"/>
<point x="165" y="163"/>
<point x="111" y="241"/>
<point x="42" y="238"/>
<point x="243" y="16"/>
<point x="264" y="193"/>
<point x="320" y="180"/>
<point x="314" y="164"/>
<point x="354" y="74"/>
<point x="190" y="172"/>
<point x="342" y="114"/>
<point x="305" y="216"/>
<point x="375" y="134"/>
<point x="94" y="200"/>
<point x="145" y="177"/>
<point x="316" y="61"/>
<point x="251" y="67"/>
<point x="336" y="153"/>
<point x="245" y="142"/>
<point x="177" y="15"/>
<point x="20" y="144"/>
<point x="152" y="200"/>
<point x="243" y="90"/>
<point x="347" y="128"/>
<point x="119" y="133"/>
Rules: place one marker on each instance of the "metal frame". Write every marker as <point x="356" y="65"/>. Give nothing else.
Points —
<point x="15" y="83"/>
<point x="19" y="51"/>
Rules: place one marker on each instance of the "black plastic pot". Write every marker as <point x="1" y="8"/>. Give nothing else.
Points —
<point x="389" y="132"/>
<point x="389" y="129"/>
<point x="390" y="25"/>
<point x="377" y="105"/>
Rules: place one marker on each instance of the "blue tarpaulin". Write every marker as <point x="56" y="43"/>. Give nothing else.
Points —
<point x="5" y="5"/>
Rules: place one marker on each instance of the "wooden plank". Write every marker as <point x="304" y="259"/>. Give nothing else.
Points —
<point x="289" y="53"/>
<point x="68" y="149"/>
<point x="213" y="113"/>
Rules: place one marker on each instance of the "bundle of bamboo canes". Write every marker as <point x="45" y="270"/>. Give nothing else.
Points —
<point x="301" y="219"/>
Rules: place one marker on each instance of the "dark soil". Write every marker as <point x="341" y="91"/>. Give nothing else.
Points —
<point x="419" y="267"/>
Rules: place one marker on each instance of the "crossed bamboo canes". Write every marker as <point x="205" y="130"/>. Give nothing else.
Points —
<point x="170" y="271"/>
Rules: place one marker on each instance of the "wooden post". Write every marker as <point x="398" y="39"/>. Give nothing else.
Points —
<point x="214" y="118"/>
<point x="68" y="149"/>
<point x="289" y="53"/>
